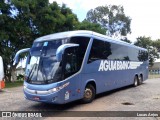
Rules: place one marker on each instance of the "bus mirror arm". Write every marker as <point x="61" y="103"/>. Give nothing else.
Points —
<point x="16" y="58"/>
<point x="61" y="49"/>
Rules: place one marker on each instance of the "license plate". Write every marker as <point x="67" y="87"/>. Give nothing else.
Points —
<point x="36" y="98"/>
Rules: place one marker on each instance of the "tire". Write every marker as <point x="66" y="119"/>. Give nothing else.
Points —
<point x="135" y="84"/>
<point x="140" y="80"/>
<point x="89" y="94"/>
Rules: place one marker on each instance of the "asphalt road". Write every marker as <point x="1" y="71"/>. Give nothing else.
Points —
<point x="145" y="97"/>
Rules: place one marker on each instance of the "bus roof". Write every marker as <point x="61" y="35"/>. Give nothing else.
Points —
<point x="86" y="33"/>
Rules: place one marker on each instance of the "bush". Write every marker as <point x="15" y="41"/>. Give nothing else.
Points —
<point x="20" y="77"/>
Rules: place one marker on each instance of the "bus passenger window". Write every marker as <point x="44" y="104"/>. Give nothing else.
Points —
<point x="70" y="64"/>
<point x="99" y="50"/>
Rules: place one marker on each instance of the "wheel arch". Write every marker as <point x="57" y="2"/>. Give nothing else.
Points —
<point x="136" y="75"/>
<point x="92" y="82"/>
<point x="141" y="75"/>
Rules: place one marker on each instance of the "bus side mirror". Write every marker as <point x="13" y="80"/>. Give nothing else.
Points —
<point x="16" y="58"/>
<point x="61" y="49"/>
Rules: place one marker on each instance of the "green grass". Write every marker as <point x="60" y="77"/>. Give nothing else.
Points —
<point x="154" y="76"/>
<point x="13" y="84"/>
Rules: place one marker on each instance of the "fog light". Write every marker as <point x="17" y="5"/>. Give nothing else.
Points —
<point x="54" y="99"/>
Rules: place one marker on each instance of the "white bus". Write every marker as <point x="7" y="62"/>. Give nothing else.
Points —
<point x="2" y="83"/>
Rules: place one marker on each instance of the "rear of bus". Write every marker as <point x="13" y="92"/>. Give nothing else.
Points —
<point x="2" y="83"/>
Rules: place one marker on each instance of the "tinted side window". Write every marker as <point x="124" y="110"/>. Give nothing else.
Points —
<point x="113" y="51"/>
<point x="119" y="52"/>
<point x="142" y="55"/>
<point x="137" y="55"/>
<point x="83" y="43"/>
<point x="133" y="54"/>
<point x="70" y="63"/>
<point x="99" y="50"/>
<point x="74" y="56"/>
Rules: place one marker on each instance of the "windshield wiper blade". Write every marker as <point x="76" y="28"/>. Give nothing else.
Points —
<point x="31" y="72"/>
<point x="43" y="71"/>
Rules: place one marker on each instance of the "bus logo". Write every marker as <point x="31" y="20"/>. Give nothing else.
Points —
<point x="108" y="65"/>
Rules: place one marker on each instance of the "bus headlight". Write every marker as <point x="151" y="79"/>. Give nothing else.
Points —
<point x="53" y="90"/>
<point x="58" y="88"/>
<point x="24" y="87"/>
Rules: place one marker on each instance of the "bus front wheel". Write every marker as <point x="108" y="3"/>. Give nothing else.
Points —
<point x="89" y="94"/>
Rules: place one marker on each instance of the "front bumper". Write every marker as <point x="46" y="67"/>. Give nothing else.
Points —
<point x="54" y="98"/>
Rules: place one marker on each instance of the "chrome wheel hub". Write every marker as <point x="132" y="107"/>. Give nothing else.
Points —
<point x="88" y="93"/>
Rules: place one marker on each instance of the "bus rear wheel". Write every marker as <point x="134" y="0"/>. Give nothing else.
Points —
<point x="135" y="84"/>
<point x="89" y="94"/>
<point x="140" y="80"/>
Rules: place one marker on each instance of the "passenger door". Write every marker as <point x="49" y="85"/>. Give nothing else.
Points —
<point x="70" y="72"/>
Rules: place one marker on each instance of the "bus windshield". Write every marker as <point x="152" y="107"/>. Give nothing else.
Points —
<point x="43" y="69"/>
<point x="42" y="66"/>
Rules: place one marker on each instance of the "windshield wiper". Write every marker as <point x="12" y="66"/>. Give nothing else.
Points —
<point x="43" y="71"/>
<point x="31" y="72"/>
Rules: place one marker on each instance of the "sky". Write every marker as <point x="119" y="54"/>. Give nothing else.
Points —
<point x="145" y="14"/>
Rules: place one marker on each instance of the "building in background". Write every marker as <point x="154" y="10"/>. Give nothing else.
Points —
<point x="20" y="69"/>
<point x="155" y="69"/>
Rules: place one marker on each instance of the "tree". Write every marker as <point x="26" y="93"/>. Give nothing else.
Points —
<point x="144" y="42"/>
<point x="126" y="40"/>
<point x="7" y="31"/>
<point x="85" y="25"/>
<point x="22" y="21"/>
<point x="156" y="44"/>
<point x="112" y="18"/>
<point x="147" y="43"/>
<point x="45" y="18"/>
